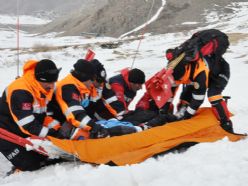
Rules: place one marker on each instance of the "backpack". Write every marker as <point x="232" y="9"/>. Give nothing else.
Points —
<point x="202" y="43"/>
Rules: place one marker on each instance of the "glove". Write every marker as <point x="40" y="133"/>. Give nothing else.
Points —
<point x="181" y="112"/>
<point x="98" y="131"/>
<point x="65" y="130"/>
<point x="227" y="126"/>
<point x="57" y="134"/>
<point x="143" y="126"/>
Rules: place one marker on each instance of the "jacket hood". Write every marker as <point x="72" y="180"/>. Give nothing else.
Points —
<point x="28" y="75"/>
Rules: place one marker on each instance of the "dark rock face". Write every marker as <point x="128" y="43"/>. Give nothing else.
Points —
<point x="115" y="17"/>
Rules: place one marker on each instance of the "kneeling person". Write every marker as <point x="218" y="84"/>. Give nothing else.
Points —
<point x="73" y="95"/>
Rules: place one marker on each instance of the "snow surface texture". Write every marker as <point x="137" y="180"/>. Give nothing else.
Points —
<point x="219" y="163"/>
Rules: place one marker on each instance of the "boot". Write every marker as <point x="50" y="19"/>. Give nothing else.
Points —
<point x="13" y="170"/>
<point x="221" y="112"/>
<point x="227" y="126"/>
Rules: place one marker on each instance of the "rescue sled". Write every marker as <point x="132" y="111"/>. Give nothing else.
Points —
<point x="131" y="148"/>
<point x="137" y="147"/>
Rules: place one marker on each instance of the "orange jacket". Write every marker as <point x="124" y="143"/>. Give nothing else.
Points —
<point x="70" y="95"/>
<point x="196" y="76"/>
<point x="201" y="66"/>
<point x="27" y="102"/>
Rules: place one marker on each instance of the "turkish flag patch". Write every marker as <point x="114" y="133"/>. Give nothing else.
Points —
<point x="26" y="106"/>
<point x="75" y="96"/>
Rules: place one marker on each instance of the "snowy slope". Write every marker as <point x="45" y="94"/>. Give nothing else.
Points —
<point x="219" y="163"/>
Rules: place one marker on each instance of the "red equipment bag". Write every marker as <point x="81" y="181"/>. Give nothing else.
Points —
<point x="159" y="86"/>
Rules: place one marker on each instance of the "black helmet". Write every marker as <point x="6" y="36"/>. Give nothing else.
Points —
<point x="100" y="71"/>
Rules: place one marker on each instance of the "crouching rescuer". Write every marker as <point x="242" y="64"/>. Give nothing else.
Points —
<point x="72" y="97"/>
<point x="23" y="111"/>
<point x="202" y="70"/>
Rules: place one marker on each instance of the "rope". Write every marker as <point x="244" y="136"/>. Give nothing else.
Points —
<point x="142" y="35"/>
<point x="17" y="39"/>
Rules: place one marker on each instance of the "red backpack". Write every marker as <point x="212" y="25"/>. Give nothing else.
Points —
<point x="202" y="43"/>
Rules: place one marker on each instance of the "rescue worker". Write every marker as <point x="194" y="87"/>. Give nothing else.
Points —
<point x="23" y="111"/>
<point x="219" y="73"/>
<point x="72" y="97"/>
<point x="194" y="76"/>
<point x="98" y="83"/>
<point x="126" y="85"/>
<point x="204" y="47"/>
<point x="116" y="93"/>
<point x="107" y="106"/>
<point x="108" y="110"/>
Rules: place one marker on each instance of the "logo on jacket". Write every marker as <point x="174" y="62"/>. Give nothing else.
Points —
<point x="14" y="153"/>
<point x="75" y="97"/>
<point x="26" y="106"/>
<point x="196" y="85"/>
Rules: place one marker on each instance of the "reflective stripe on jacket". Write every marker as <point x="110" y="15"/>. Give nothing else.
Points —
<point x="71" y="95"/>
<point x="27" y="102"/>
<point x="196" y="79"/>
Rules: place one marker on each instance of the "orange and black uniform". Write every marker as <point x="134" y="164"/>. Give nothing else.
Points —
<point x="219" y="77"/>
<point x="194" y="76"/>
<point x="24" y="106"/>
<point x="23" y="111"/>
<point x="71" y="96"/>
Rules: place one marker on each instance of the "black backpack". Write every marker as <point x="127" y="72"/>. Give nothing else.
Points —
<point x="202" y="43"/>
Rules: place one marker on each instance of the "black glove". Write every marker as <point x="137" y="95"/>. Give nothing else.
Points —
<point x="227" y="126"/>
<point x="65" y="130"/>
<point x="98" y="131"/>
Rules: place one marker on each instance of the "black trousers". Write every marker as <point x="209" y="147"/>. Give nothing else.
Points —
<point x="20" y="157"/>
<point x="139" y="116"/>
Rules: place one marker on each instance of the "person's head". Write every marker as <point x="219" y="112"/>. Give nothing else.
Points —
<point x="84" y="71"/>
<point x="101" y="74"/>
<point x="179" y="70"/>
<point x="136" y="78"/>
<point x="46" y="73"/>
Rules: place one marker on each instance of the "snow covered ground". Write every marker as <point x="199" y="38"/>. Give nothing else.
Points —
<point x="26" y="20"/>
<point x="219" y="163"/>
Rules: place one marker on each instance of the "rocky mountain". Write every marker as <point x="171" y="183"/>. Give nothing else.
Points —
<point x="48" y="8"/>
<point x="115" y="17"/>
